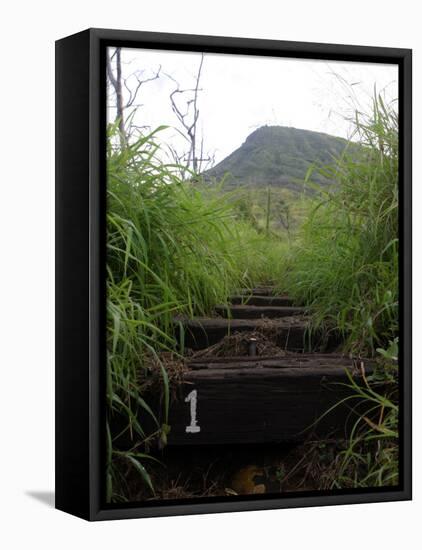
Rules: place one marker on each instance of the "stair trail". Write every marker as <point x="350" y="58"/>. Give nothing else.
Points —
<point x="252" y="397"/>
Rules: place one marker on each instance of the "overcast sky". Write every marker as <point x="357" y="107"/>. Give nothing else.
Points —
<point x="242" y="93"/>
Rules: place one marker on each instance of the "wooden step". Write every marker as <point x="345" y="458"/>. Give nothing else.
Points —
<point x="258" y="312"/>
<point x="259" y="291"/>
<point x="265" y="400"/>
<point x="290" y="360"/>
<point x="261" y="300"/>
<point x="202" y="332"/>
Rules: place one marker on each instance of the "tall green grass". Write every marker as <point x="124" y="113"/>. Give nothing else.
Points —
<point x="371" y="457"/>
<point x="344" y="265"/>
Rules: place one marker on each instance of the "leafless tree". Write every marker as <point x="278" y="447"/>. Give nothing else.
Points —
<point x="184" y="103"/>
<point x="122" y="88"/>
<point x="116" y="82"/>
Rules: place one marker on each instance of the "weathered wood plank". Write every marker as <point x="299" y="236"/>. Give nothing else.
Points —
<point x="261" y="300"/>
<point x="199" y="333"/>
<point x="257" y="312"/>
<point x="228" y="404"/>
<point x="293" y="360"/>
<point x="259" y="291"/>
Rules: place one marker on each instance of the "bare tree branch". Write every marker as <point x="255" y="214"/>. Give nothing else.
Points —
<point x="188" y="117"/>
<point x="118" y="83"/>
<point x="140" y="82"/>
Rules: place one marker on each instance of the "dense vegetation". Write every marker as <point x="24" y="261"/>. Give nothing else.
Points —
<point x="345" y="262"/>
<point x="344" y="266"/>
<point x="179" y="246"/>
<point x="172" y="247"/>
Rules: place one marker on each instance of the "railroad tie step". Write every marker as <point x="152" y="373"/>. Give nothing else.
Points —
<point x="265" y="400"/>
<point x="259" y="291"/>
<point x="201" y="332"/>
<point x="310" y="363"/>
<point x="258" y="312"/>
<point x="251" y="300"/>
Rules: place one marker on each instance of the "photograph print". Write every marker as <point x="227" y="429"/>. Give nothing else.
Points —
<point x="252" y="277"/>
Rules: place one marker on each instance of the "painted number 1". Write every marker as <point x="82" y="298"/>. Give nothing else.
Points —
<point x="193" y="427"/>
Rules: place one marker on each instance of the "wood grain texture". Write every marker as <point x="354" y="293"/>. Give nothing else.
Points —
<point x="263" y="401"/>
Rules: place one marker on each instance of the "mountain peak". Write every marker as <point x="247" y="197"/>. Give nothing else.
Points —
<point x="279" y="156"/>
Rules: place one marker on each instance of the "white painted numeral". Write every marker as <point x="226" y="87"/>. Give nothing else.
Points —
<point x="192" y="398"/>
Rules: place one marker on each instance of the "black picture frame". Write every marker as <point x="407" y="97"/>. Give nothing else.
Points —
<point x="80" y="268"/>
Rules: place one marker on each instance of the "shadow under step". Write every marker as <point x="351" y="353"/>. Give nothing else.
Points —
<point x="258" y="312"/>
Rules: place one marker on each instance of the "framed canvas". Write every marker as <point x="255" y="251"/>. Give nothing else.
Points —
<point x="233" y="244"/>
